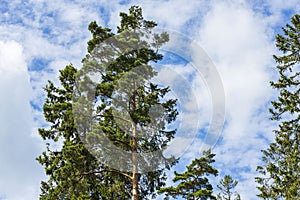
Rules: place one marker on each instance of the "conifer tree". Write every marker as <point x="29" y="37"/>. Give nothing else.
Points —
<point x="227" y="184"/>
<point x="122" y="108"/>
<point x="63" y="165"/>
<point x="280" y="174"/>
<point x="193" y="184"/>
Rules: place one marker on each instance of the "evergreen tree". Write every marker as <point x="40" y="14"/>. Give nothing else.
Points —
<point x="123" y="108"/>
<point x="281" y="170"/>
<point x="63" y="165"/>
<point x="194" y="183"/>
<point x="227" y="184"/>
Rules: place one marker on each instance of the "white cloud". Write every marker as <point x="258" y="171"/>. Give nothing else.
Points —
<point x="281" y="5"/>
<point x="173" y="14"/>
<point x="238" y="41"/>
<point x="18" y="170"/>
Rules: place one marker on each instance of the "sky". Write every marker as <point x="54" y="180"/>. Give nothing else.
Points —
<point x="234" y="37"/>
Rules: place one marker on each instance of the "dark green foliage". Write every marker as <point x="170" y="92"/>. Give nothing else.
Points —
<point x="194" y="183"/>
<point x="66" y="166"/>
<point x="281" y="173"/>
<point x="127" y="104"/>
<point x="227" y="184"/>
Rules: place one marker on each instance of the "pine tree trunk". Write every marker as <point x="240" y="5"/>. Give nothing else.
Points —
<point x="134" y="154"/>
<point x="134" y="166"/>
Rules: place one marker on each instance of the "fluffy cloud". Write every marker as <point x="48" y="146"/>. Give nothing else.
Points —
<point x="18" y="149"/>
<point x="239" y="43"/>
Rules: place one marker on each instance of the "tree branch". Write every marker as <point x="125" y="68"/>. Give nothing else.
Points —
<point x="105" y="170"/>
<point x="124" y="106"/>
<point x="126" y="120"/>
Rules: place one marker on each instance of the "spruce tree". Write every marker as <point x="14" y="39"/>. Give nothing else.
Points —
<point x="193" y="184"/>
<point x="113" y="129"/>
<point x="280" y="173"/>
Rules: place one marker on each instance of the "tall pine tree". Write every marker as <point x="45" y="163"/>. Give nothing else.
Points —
<point x="280" y="174"/>
<point x="122" y="108"/>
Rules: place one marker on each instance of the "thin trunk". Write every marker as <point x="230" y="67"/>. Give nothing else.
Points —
<point x="134" y="154"/>
<point x="134" y="166"/>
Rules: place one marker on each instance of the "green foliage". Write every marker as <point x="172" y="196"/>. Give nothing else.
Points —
<point x="281" y="170"/>
<point x="66" y="166"/>
<point x="227" y="184"/>
<point x="194" y="183"/>
<point x="131" y="111"/>
<point x="127" y="102"/>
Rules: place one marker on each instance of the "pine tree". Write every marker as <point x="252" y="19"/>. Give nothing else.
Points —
<point x="281" y="170"/>
<point x="194" y="183"/>
<point x="227" y="184"/>
<point x="122" y="108"/>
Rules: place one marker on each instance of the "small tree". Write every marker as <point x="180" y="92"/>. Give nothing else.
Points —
<point x="281" y="170"/>
<point x="227" y="184"/>
<point x="194" y="183"/>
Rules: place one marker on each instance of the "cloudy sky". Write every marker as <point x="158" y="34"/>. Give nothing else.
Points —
<point x="235" y="37"/>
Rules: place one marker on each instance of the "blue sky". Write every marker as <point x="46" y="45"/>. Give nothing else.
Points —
<point x="40" y="37"/>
